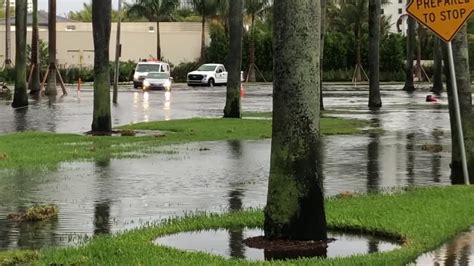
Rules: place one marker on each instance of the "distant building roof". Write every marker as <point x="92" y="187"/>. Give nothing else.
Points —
<point x="42" y="19"/>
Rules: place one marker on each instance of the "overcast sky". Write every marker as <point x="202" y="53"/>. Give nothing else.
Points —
<point x="64" y="6"/>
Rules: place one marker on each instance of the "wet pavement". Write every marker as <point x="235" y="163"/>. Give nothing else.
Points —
<point x="229" y="244"/>
<point x="113" y="195"/>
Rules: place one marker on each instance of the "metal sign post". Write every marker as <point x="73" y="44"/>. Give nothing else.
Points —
<point x="458" y="114"/>
<point x="446" y="18"/>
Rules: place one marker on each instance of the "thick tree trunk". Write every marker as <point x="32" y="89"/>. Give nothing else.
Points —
<point x="374" y="54"/>
<point x="295" y="202"/>
<point x="321" y="54"/>
<point x="437" y="67"/>
<point x="203" y="39"/>
<point x="463" y="80"/>
<point x="251" y="74"/>
<point x="101" y="24"/>
<point x="34" y="84"/>
<point x="158" y="41"/>
<point x="8" y="39"/>
<point x="411" y="43"/>
<point x="233" y="107"/>
<point x="20" y="97"/>
<point x="51" y="87"/>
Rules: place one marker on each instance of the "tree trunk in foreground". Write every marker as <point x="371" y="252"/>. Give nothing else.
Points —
<point x="295" y="202"/>
<point x="233" y="107"/>
<point x="101" y="24"/>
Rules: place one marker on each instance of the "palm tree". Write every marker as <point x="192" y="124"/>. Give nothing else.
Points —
<point x="411" y="43"/>
<point x="437" y="67"/>
<point x="51" y="87"/>
<point x="8" y="56"/>
<point x="34" y="82"/>
<point x="155" y="11"/>
<point x="374" y="54"/>
<point x="233" y="107"/>
<point x="206" y="9"/>
<point x="101" y="24"/>
<point x="321" y="54"/>
<point x="20" y="97"/>
<point x="463" y="81"/>
<point x="222" y="13"/>
<point x="295" y="202"/>
<point x="253" y="8"/>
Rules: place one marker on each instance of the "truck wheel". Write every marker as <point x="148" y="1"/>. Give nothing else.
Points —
<point x="211" y="83"/>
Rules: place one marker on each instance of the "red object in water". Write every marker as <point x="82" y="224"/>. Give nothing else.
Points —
<point x="432" y="99"/>
<point x="79" y="84"/>
<point x="242" y="90"/>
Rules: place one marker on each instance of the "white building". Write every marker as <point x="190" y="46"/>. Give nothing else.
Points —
<point x="12" y="4"/>
<point x="186" y="4"/>
<point x="396" y="9"/>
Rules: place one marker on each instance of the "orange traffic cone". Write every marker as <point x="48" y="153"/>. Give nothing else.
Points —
<point x="242" y="91"/>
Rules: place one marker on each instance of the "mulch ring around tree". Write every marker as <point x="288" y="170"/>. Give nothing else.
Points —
<point x="288" y="249"/>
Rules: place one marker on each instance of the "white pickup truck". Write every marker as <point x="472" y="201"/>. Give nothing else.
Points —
<point x="208" y="74"/>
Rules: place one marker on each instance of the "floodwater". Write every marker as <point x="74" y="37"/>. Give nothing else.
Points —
<point x="112" y="195"/>
<point x="229" y="244"/>
<point x="458" y="251"/>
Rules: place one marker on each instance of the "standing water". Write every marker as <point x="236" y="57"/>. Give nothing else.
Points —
<point x="116" y="194"/>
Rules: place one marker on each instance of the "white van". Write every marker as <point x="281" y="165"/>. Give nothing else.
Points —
<point x="143" y="68"/>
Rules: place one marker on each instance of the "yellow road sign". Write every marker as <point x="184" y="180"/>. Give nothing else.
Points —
<point x="443" y="17"/>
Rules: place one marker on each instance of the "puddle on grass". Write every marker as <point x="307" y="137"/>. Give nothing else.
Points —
<point x="229" y="244"/>
<point x="458" y="251"/>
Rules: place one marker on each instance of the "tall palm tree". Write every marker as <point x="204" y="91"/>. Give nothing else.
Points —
<point x="295" y="202"/>
<point x="34" y="83"/>
<point x="154" y="11"/>
<point x="206" y="9"/>
<point x="253" y="8"/>
<point x="411" y="43"/>
<point x="374" y="54"/>
<point x="321" y="54"/>
<point x="437" y="67"/>
<point x="8" y="41"/>
<point x="20" y="97"/>
<point x="233" y="107"/>
<point x="101" y="24"/>
<point x="463" y="81"/>
<point x="51" y="87"/>
<point x="222" y="13"/>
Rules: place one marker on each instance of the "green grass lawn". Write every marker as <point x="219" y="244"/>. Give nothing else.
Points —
<point x="36" y="150"/>
<point x="422" y="218"/>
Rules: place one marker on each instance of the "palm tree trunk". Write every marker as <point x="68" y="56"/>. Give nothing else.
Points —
<point x="233" y="106"/>
<point x="437" y="67"/>
<point x="20" y="97"/>
<point x="101" y="24"/>
<point x="295" y="202"/>
<point x="374" y="54"/>
<point x="321" y="58"/>
<point x="411" y="43"/>
<point x="463" y="80"/>
<point x="358" y="74"/>
<point x="51" y="87"/>
<point x="418" y="73"/>
<point x="203" y="37"/>
<point x="251" y="73"/>
<point x="158" y="40"/>
<point x="35" y="75"/>
<point x="8" y="41"/>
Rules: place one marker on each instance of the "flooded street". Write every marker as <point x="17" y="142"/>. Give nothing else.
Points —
<point x="113" y="195"/>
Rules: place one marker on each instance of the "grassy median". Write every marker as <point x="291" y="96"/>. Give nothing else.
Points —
<point x="35" y="149"/>
<point x="422" y="218"/>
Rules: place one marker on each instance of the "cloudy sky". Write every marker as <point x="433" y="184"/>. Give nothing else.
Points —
<point x="64" y="6"/>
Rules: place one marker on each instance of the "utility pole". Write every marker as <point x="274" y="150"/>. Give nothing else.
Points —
<point x="118" y="51"/>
